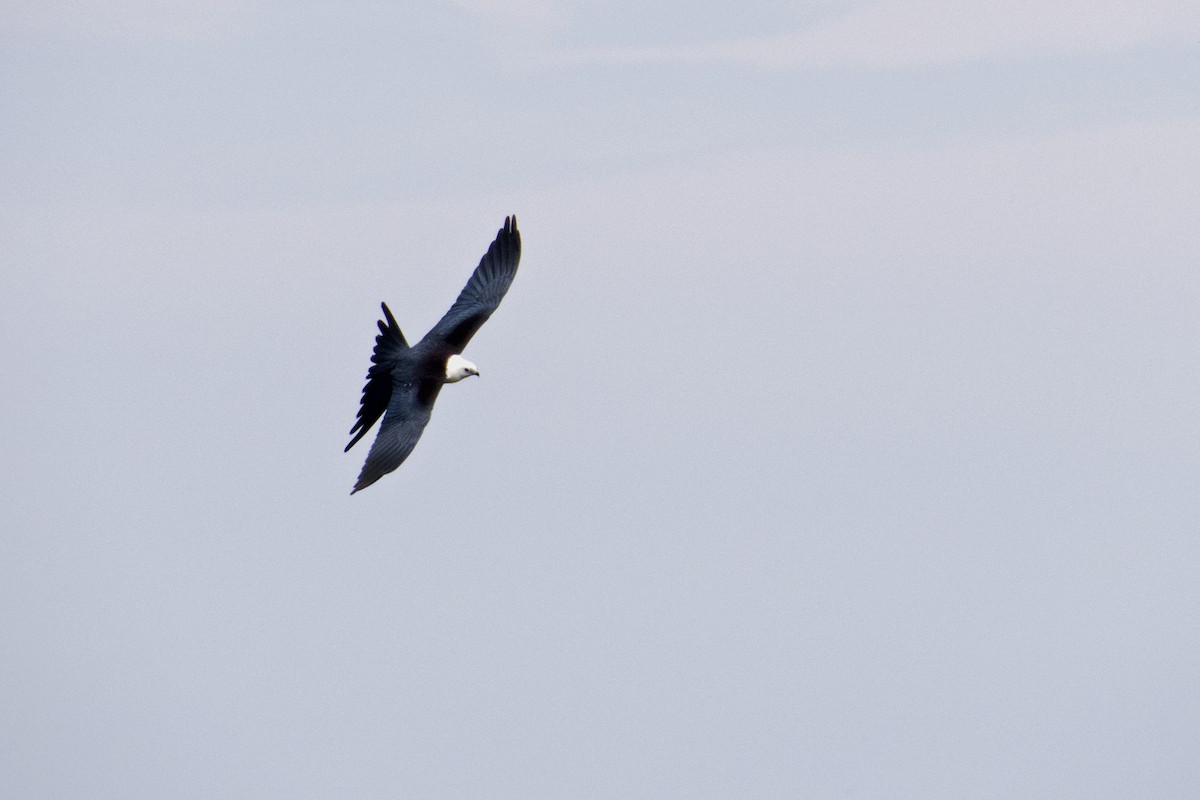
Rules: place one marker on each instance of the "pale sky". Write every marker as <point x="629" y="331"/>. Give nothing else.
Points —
<point x="837" y="438"/>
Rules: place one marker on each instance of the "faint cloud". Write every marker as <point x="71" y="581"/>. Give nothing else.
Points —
<point x="519" y="27"/>
<point x="135" y="20"/>
<point x="904" y="33"/>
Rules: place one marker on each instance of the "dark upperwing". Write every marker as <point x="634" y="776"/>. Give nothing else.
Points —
<point x="407" y="415"/>
<point x="482" y="294"/>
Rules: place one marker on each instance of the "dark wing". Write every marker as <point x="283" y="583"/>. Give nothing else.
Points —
<point x="483" y="293"/>
<point x="407" y="415"/>
<point x="389" y="346"/>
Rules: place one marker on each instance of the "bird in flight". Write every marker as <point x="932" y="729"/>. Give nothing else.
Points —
<point x="403" y="382"/>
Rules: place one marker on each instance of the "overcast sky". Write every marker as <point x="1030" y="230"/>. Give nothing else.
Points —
<point x="837" y="439"/>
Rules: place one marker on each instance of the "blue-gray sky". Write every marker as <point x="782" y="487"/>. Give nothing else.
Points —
<point x="838" y="437"/>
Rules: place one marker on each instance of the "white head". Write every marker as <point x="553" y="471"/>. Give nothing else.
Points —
<point x="458" y="368"/>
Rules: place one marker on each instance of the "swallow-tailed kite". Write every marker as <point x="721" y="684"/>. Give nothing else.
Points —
<point x="403" y="381"/>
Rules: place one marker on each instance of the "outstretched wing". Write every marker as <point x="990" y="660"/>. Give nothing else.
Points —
<point x="389" y="346"/>
<point x="483" y="293"/>
<point x="408" y="412"/>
